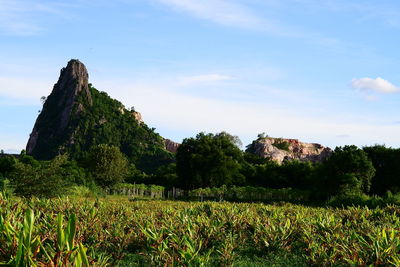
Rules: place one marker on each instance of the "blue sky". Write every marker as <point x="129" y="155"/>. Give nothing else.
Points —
<point x="323" y="71"/>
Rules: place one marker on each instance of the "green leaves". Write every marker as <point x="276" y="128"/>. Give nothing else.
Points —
<point x="107" y="165"/>
<point x="165" y="233"/>
<point x="27" y="245"/>
<point x="209" y="160"/>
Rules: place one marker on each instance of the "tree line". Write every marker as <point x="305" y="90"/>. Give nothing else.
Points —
<point x="209" y="161"/>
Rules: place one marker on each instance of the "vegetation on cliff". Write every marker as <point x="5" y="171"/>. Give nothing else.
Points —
<point x="76" y="116"/>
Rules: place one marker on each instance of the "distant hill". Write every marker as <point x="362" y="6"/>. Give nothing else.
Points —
<point x="76" y="116"/>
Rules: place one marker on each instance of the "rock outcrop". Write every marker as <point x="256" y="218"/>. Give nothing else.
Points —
<point x="280" y="149"/>
<point x="76" y="116"/>
<point x="171" y="146"/>
<point x="137" y="116"/>
<point x="55" y="115"/>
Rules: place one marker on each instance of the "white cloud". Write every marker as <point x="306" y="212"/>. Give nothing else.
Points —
<point x="175" y="111"/>
<point x="207" y="78"/>
<point x="378" y="85"/>
<point x="171" y="110"/>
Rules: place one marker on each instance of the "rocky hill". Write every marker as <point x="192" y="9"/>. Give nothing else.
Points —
<point x="280" y="149"/>
<point x="76" y="116"/>
<point x="171" y="146"/>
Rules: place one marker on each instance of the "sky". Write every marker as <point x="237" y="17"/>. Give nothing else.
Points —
<point x="321" y="71"/>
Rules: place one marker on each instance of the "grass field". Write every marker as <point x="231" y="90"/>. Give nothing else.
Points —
<point x="115" y="231"/>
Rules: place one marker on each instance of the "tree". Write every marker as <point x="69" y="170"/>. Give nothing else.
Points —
<point x="386" y="162"/>
<point x="7" y="164"/>
<point x="43" y="99"/>
<point x="166" y="176"/>
<point x="48" y="179"/>
<point x="347" y="170"/>
<point x="208" y="161"/>
<point x="107" y="165"/>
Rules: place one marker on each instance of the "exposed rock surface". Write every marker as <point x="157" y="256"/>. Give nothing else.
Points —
<point x="280" y="149"/>
<point x="77" y="116"/>
<point x="55" y="115"/>
<point x="137" y="116"/>
<point x="171" y="146"/>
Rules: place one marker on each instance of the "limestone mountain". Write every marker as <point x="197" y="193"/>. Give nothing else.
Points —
<point x="280" y="149"/>
<point x="76" y="116"/>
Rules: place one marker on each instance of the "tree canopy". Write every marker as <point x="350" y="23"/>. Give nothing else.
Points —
<point x="348" y="168"/>
<point x="209" y="160"/>
<point x="107" y="165"/>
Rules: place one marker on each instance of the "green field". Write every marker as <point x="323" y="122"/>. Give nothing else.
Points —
<point x="117" y="232"/>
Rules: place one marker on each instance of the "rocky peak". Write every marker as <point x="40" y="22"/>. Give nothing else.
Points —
<point x="57" y="109"/>
<point x="171" y="146"/>
<point x="281" y="149"/>
<point x="137" y="116"/>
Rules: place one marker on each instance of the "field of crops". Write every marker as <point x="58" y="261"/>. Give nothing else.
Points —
<point x="115" y="231"/>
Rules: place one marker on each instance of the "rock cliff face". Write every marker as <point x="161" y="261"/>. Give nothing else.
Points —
<point x="171" y="146"/>
<point x="76" y="116"/>
<point x="280" y="149"/>
<point x="55" y="115"/>
<point x="137" y="116"/>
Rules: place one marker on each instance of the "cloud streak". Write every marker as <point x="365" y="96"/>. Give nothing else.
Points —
<point x="26" y="17"/>
<point x="377" y="85"/>
<point x="219" y="11"/>
<point x="227" y="13"/>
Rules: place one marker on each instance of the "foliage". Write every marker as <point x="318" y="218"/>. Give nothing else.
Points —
<point x="103" y="121"/>
<point x="348" y="168"/>
<point x="249" y="193"/>
<point x="281" y="144"/>
<point x="49" y="179"/>
<point x="107" y="165"/>
<point x="209" y="160"/>
<point x="362" y="200"/>
<point x="164" y="233"/>
<point x="23" y="243"/>
<point x="166" y="175"/>
<point x="139" y="190"/>
<point x="7" y="165"/>
<point x="386" y="163"/>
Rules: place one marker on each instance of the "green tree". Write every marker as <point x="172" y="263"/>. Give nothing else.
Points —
<point x="48" y="179"/>
<point x="107" y="165"/>
<point x="209" y="161"/>
<point x="166" y="176"/>
<point x="386" y="163"/>
<point x="348" y="170"/>
<point x="7" y="164"/>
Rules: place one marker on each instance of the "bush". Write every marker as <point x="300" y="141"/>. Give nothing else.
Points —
<point x="49" y="179"/>
<point x="81" y="191"/>
<point x="363" y="200"/>
<point x="281" y="144"/>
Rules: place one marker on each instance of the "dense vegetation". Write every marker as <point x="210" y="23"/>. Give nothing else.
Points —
<point x="354" y="220"/>
<point x="100" y="120"/>
<point x="209" y="161"/>
<point x="163" y="233"/>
